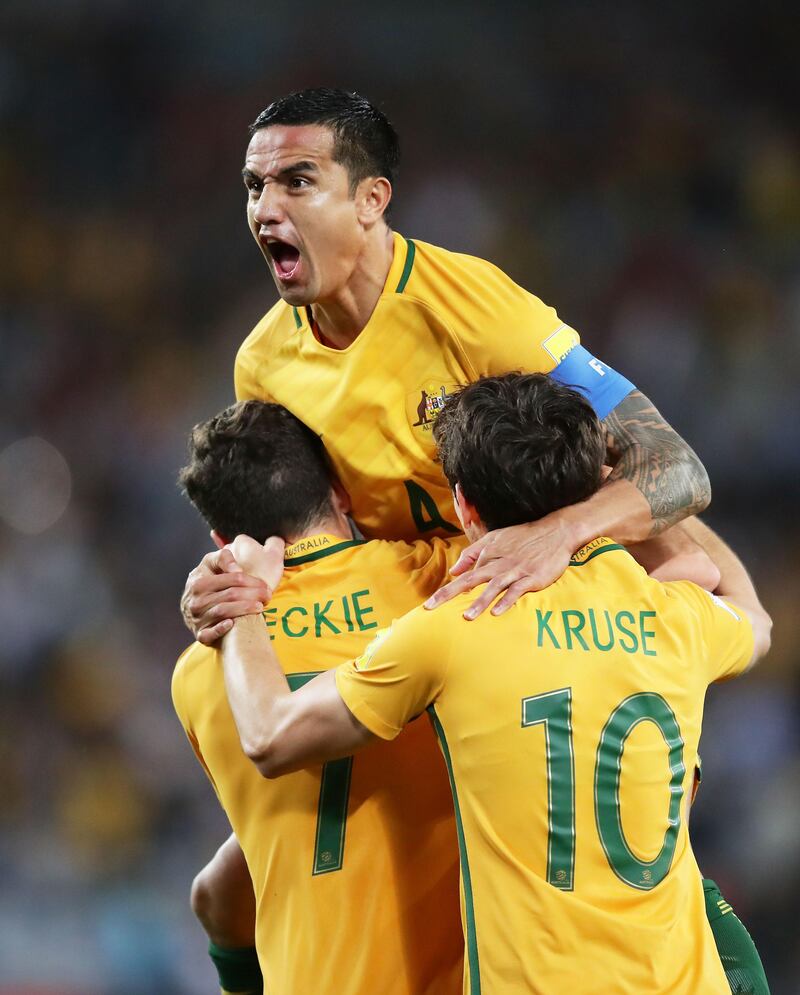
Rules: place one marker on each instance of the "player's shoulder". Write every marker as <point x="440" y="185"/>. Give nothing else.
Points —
<point x="419" y="554"/>
<point x="481" y="304"/>
<point x="278" y="324"/>
<point x="195" y="658"/>
<point x="697" y="601"/>
<point x="435" y="268"/>
<point x="279" y="320"/>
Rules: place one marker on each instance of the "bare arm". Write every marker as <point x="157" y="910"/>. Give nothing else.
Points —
<point x="651" y="456"/>
<point x="280" y="730"/>
<point x="735" y="585"/>
<point x="656" y="481"/>
<point x="223" y="900"/>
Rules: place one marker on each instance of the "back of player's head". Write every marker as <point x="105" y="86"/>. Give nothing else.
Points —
<point x="256" y="469"/>
<point x="520" y="446"/>
<point x="364" y="141"/>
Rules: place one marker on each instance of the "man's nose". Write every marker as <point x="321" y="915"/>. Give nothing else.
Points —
<point x="269" y="206"/>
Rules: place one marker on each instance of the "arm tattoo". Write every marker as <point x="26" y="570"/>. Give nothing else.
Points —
<point x="645" y="450"/>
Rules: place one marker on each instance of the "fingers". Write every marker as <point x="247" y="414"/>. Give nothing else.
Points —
<point x="219" y="561"/>
<point x="264" y="561"/>
<point x="469" y="557"/>
<point x="210" y="635"/>
<point x="211" y="599"/>
<point x="219" y="619"/>
<point x="513" y="594"/>
<point x="464" y="583"/>
<point x="496" y="586"/>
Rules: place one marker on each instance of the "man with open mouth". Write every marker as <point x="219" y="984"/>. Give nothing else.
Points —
<point x="373" y="331"/>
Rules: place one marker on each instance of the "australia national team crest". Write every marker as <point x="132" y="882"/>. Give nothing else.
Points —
<point x="425" y="404"/>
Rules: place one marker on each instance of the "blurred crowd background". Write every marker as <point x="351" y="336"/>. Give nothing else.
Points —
<point x="636" y="165"/>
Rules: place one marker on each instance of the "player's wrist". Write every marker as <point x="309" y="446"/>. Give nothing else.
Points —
<point x="575" y="525"/>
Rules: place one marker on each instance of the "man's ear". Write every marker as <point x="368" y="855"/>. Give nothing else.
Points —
<point x="466" y="512"/>
<point x="341" y="499"/>
<point x="219" y="540"/>
<point x="372" y="198"/>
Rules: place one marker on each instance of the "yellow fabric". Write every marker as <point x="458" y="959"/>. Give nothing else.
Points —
<point x="374" y="403"/>
<point x="526" y="933"/>
<point x="388" y="920"/>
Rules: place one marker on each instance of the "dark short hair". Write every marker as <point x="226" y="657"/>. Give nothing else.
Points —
<point x="256" y="469"/>
<point x="364" y="141"/>
<point x="520" y="446"/>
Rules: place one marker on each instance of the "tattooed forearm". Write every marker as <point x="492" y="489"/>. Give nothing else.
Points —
<point x="652" y="456"/>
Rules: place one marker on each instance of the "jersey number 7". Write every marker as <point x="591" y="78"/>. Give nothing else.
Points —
<point x="334" y="797"/>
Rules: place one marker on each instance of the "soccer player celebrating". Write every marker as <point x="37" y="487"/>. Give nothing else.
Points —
<point x="355" y="863"/>
<point x="373" y="331"/>
<point x="569" y="726"/>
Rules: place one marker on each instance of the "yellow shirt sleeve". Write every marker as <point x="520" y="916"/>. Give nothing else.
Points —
<point x="400" y="673"/>
<point x="726" y="630"/>
<point x="502" y="327"/>
<point x="181" y="706"/>
<point x="245" y="378"/>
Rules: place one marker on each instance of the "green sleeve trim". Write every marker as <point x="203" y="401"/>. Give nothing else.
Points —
<point x="295" y="561"/>
<point x="597" y="552"/>
<point x="297" y="319"/>
<point x="411" y="251"/>
<point x="238" y="969"/>
<point x="466" y="878"/>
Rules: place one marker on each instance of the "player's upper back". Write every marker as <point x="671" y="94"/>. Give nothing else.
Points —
<point x="570" y="727"/>
<point x="319" y="843"/>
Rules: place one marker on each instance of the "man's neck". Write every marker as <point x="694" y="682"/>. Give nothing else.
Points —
<point x="335" y="527"/>
<point x="342" y="318"/>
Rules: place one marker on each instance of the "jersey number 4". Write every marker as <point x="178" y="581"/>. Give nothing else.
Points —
<point x="554" y="711"/>
<point x="334" y="797"/>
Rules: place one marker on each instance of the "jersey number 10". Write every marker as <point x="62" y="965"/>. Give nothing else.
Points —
<point x="554" y="711"/>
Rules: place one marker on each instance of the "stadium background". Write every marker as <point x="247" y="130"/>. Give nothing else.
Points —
<point x="637" y="167"/>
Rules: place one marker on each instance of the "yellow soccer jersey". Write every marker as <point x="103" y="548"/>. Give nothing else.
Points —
<point x="443" y="320"/>
<point x="355" y="864"/>
<point x="570" y="728"/>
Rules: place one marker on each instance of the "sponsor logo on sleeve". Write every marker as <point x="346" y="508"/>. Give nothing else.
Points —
<point x="560" y="343"/>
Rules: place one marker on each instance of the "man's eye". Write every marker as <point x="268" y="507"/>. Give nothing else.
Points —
<point x="298" y="182"/>
<point x="254" y="187"/>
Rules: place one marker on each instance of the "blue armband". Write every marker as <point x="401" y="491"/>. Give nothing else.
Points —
<point x="603" y="387"/>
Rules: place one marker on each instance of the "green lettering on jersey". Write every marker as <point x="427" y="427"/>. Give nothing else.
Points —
<point x="633" y="645"/>
<point x="542" y="626"/>
<point x="646" y="633"/>
<point x="347" y="616"/>
<point x="421" y="503"/>
<point x="362" y="610"/>
<point x="604" y="647"/>
<point x="628" y="866"/>
<point x="285" y="622"/>
<point x="270" y="622"/>
<point x="571" y="629"/>
<point x="320" y="619"/>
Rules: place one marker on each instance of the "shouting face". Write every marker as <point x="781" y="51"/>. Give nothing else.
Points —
<point x="302" y="212"/>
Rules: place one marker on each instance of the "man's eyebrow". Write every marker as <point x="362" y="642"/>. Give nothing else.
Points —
<point x="307" y="166"/>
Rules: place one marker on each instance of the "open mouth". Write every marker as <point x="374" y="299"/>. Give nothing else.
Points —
<point x="286" y="258"/>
